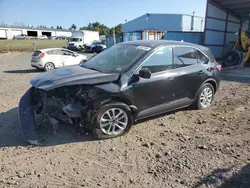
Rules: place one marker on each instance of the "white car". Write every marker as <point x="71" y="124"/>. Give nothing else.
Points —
<point x="42" y="37"/>
<point x="52" y="58"/>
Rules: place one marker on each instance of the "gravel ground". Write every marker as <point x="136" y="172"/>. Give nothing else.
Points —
<point x="187" y="148"/>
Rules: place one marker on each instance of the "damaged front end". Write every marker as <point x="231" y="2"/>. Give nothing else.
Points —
<point x="69" y="104"/>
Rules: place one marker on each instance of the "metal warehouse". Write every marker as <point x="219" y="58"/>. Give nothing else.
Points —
<point x="8" y="32"/>
<point x="154" y="26"/>
<point x="223" y="20"/>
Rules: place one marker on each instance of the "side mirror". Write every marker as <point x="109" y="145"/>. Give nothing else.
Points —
<point x="75" y="55"/>
<point x="145" y="73"/>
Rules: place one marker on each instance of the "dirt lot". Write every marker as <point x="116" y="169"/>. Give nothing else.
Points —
<point x="187" y="148"/>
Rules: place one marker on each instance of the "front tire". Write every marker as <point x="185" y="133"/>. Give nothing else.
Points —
<point x="205" y="96"/>
<point x="49" y="66"/>
<point x="112" y="120"/>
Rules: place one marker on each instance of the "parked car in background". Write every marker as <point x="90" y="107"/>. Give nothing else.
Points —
<point x="52" y="37"/>
<point x="125" y="83"/>
<point x="48" y="59"/>
<point x="20" y="36"/>
<point x="62" y="38"/>
<point x="42" y="37"/>
<point x="96" y="46"/>
<point x="98" y="49"/>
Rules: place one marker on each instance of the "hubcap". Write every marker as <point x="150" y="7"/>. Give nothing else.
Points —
<point x="49" y="66"/>
<point x="113" y="121"/>
<point x="206" y="97"/>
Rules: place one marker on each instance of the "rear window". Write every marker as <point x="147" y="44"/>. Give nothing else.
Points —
<point x="36" y="53"/>
<point x="209" y="53"/>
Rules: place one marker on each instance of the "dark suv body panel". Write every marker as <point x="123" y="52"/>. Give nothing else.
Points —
<point x="173" y="88"/>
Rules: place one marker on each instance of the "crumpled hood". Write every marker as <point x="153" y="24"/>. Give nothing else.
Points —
<point x="73" y="75"/>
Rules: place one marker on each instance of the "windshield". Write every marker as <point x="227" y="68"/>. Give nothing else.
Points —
<point x="74" y="39"/>
<point x="116" y="58"/>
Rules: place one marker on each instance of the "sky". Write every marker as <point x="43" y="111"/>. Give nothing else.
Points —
<point x="82" y="12"/>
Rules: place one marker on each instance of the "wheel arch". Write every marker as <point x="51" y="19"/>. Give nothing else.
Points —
<point x="104" y="101"/>
<point x="211" y="81"/>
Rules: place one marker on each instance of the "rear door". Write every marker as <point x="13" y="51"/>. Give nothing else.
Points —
<point x="55" y="57"/>
<point x="68" y="58"/>
<point x="189" y="63"/>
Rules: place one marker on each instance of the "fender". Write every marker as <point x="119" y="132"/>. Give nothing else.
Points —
<point x="207" y="81"/>
<point x="100" y="102"/>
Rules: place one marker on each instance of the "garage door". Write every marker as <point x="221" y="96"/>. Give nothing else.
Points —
<point x="3" y="33"/>
<point x="220" y="28"/>
<point x="16" y="32"/>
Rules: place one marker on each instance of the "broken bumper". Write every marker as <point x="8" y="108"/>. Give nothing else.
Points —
<point x="27" y="119"/>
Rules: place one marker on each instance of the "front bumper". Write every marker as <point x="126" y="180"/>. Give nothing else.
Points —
<point x="27" y="119"/>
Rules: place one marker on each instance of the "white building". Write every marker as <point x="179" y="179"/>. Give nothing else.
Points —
<point x="8" y="32"/>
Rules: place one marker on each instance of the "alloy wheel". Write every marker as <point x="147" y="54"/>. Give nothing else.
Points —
<point x="113" y="121"/>
<point x="49" y="66"/>
<point x="206" y="97"/>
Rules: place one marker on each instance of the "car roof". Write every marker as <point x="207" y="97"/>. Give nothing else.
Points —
<point x="157" y="43"/>
<point x="48" y="49"/>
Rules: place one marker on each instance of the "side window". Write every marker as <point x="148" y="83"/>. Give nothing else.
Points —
<point x="54" y="52"/>
<point x="68" y="53"/>
<point x="184" y="56"/>
<point x="161" y="60"/>
<point x="201" y="58"/>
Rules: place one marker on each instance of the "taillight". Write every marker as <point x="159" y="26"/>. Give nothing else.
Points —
<point x="42" y="55"/>
<point x="218" y="67"/>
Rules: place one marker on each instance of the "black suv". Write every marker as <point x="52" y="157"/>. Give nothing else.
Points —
<point x="125" y="83"/>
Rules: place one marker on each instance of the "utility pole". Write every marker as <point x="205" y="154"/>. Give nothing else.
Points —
<point x="114" y="39"/>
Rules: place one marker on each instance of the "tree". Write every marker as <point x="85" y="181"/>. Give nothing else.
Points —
<point x="51" y="27"/>
<point x="57" y="27"/>
<point x="118" y="30"/>
<point x="60" y="27"/>
<point x="73" y="27"/>
<point x="96" y="26"/>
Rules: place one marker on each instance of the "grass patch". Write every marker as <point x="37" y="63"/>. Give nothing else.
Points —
<point x="27" y="45"/>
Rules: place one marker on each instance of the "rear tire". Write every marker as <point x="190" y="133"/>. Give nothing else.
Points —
<point x="205" y="97"/>
<point x="49" y="66"/>
<point x="108" y="122"/>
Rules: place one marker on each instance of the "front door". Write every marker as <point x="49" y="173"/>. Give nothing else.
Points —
<point x="155" y="95"/>
<point x="68" y="58"/>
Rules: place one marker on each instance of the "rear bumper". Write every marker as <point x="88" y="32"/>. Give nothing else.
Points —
<point x="27" y="119"/>
<point x="73" y="48"/>
<point x="36" y="65"/>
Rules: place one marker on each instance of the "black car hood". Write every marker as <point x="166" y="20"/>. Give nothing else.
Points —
<point x="73" y="75"/>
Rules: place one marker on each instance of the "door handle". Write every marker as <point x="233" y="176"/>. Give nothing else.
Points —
<point x="201" y="72"/>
